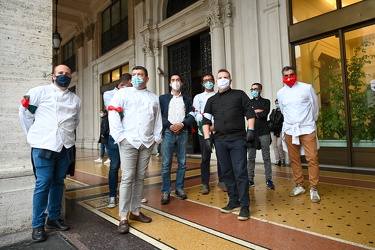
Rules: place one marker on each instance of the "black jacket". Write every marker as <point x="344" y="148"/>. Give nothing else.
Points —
<point x="104" y="130"/>
<point x="276" y="121"/>
<point x="261" y="125"/>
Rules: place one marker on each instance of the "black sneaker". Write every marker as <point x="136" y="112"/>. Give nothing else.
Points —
<point x="230" y="207"/>
<point x="244" y="213"/>
<point x="283" y="163"/>
<point x="165" y="199"/>
<point x="278" y="163"/>
<point x="251" y="184"/>
<point x="181" y="194"/>
<point x="270" y="184"/>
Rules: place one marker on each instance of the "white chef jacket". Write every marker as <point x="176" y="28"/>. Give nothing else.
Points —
<point x="199" y="103"/>
<point x="57" y="115"/>
<point x="141" y="123"/>
<point x="300" y="107"/>
<point x="108" y="95"/>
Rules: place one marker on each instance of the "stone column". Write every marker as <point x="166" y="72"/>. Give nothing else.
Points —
<point x="26" y="53"/>
<point x="214" y="20"/>
<point x="150" y="61"/>
<point x="228" y="34"/>
<point x="79" y="39"/>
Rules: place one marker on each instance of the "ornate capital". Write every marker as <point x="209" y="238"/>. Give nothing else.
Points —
<point x="213" y="18"/>
<point x="156" y="48"/>
<point x="89" y="31"/>
<point x="147" y="44"/>
<point x="79" y="38"/>
<point x="228" y="12"/>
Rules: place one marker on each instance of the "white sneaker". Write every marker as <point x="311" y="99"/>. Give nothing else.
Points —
<point x="314" y="196"/>
<point x="112" y="202"/>
<point x="144" y="200"/>
<point x="297" y="191"/>
<point x="99" y="160"/>
<point x="107" y="161"/>
<point x="157" y="154"/>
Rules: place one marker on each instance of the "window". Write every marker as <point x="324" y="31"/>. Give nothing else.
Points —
<point x="175" y="6"/>
<point x="305" y="9"/>
<point x="114" y="25"/>
<point x="114" y="75"/>
<point x="69" y="55"/>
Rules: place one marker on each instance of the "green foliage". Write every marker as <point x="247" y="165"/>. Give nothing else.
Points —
<point x="332" y="120"/>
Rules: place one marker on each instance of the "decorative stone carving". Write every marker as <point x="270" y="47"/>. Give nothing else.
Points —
<point x="228" y="10"/>
<point x="213" y="18"/>
<point x="89" y="31"/>
<point x="156" y="48"/>
<point x="146" y="47"/>
<point x="79" y="38"/>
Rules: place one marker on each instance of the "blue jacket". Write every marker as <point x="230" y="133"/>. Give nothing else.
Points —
<point x="164" y="104"/>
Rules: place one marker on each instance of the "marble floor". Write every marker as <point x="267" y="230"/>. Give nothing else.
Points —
<point x="343" y="219"/>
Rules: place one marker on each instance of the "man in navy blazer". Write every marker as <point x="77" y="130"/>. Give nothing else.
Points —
<point x="178" y="116"/>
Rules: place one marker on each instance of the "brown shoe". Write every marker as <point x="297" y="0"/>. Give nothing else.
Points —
<point x="141" y="217"/>
<point x="123" y="227"/>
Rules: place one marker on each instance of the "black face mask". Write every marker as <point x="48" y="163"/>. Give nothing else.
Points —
<point x="63" y="80"/>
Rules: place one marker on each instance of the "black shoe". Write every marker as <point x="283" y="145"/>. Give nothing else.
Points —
<point x="39" y="234"/>
<point x="251" y="184"/>
<point x="244" y="213"/>
<point x="230" y="207"/>
<point x="58" y="224"/>
<point x="283" y="163"/>
<point x="278" y="163"/>
<point x="181" y="194"/>
<point x="165" y="199"/>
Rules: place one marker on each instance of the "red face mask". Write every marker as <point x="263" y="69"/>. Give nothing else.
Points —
<point x="290" y="80"/>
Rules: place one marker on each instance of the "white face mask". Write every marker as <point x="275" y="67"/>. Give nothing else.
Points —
<point x="176" y="85"/>
<point x="223" y="83"/>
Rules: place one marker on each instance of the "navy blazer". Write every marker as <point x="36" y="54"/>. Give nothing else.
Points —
<point x="164" y="105"/>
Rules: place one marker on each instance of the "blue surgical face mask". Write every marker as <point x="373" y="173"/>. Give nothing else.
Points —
<point x="254" y="94"/>
<point x="63" y="80"/>
<point x="209" y="85"/>
<point x="137" y="81"/>
<point x="101" y="115"/>
<point x="277" y="106"/>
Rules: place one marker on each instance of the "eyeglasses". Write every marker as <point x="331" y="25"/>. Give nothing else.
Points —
<point x="290" y="74"/>
<point x="254" y="89"/>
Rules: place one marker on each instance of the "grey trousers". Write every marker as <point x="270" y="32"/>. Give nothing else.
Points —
<point x="265" y="142"/>
<point x="134" y="164"/>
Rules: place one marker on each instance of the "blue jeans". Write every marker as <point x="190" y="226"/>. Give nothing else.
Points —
<point x="265" y="141"/>
<point x="205" y="163"/>
<point x="114" y="166"/>
<point x="103" y="148"/>
<point x="167" y="149"/>
<point x="49" y="186"/>
<point x="232" y="157"/>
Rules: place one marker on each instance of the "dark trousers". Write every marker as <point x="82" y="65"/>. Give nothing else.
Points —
<point x="114" y="166"/>
<point x="233" y="158"/>
<point x="205" y="163"/>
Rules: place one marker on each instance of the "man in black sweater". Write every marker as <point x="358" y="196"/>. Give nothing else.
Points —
<point x="261" y="107"/>
<point x="229" y="107"/>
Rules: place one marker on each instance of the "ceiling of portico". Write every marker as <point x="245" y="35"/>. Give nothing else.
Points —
<point x="74" y="15"/>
